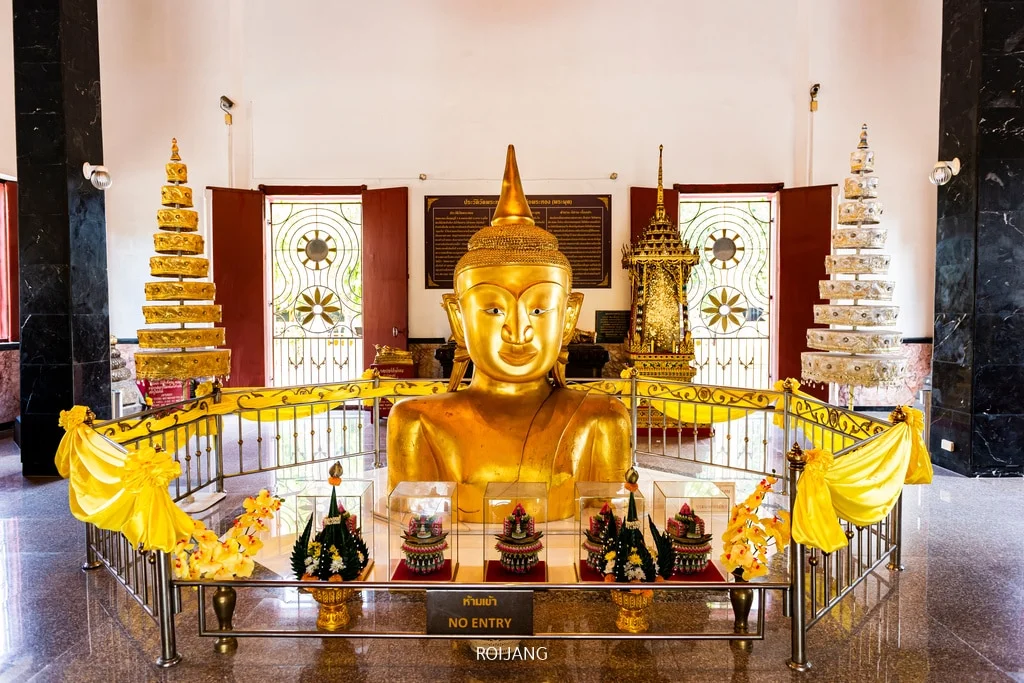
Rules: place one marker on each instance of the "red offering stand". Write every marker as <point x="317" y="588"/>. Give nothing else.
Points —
<point x="495" y="573"/>
<point x="403" y="573"/>
<point x="710" y="573"/>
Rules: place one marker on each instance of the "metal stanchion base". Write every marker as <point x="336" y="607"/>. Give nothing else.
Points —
<point x="168" y="663"/>
<point x="806" y="666"/>
<point x="88" y="566"/>
<point x="893" y="567"/>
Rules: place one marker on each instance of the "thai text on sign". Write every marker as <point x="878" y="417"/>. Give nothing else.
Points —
<point x="493" y="613"/>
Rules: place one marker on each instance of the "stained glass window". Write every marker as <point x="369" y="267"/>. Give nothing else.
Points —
<point x="317" y="290"/>
<point x="729" y="292"/>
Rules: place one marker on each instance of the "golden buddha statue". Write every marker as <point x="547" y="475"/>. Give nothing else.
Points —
<point x="513" y="313"/>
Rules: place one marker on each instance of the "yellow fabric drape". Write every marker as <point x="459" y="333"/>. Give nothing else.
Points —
<point x="108" y="490"/>
<point x="860" y="487"/>
<point x="122" y="491"/>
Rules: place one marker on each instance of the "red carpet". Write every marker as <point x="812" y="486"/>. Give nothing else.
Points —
<point x="496" y="573"/>
<point x="710" y="573"/>
<point x="403" y="573"/>
<point x="588" y="574"/>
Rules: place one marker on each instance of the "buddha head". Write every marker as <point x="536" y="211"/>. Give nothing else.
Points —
<point x="513" y="311"/>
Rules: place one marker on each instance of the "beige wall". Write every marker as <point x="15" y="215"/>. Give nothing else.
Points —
<point x="377" y="93"/>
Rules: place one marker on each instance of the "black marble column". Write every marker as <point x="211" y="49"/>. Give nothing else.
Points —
<point x="65" y="355"/>
<point x="978" y="362"/>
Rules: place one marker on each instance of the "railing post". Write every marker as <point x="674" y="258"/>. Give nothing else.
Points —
<point x="169" y="655"/>
<point x="218" y="451"/>
<point x="91" y="561"/>
<point x="896" y="522"/>
<point x="116" y="404"/>
<point x="634" y="400"/>
<point x="218" y="443"/>
<point x="787" y="482"/>
<point x="376" y="423"/>
<point x="787" y="397"/>
<point x="797" y="560"/>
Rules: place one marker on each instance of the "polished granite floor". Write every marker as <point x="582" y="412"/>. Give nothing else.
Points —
<point x="954" y="615"/>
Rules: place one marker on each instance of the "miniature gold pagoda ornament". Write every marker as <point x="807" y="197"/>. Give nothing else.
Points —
<point x="858" y="349"/>
<point x="658" y="342"/>
<point x="513" y="313"/>
<point x="175" y="351"/>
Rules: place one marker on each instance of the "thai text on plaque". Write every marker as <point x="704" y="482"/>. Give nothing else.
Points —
<point x="582" y="224"/>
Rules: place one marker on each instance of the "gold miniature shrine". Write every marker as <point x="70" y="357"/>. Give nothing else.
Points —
<point x="180" y="353"/>
<point x="658" y="342"/>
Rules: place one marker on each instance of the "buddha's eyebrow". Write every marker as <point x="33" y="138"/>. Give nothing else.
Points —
<point x="513" y="292"/>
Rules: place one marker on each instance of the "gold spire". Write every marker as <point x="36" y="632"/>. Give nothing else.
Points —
<point x="659" y="211"/>
<point x="512" y="237"/>
<point x="660" y="220"/>
<point x="863" y="144"/>
<point x="174" y="150"/>
<point x="512" y="206"/>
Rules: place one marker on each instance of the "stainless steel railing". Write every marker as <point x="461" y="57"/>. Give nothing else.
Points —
<point x="752" y="432"/>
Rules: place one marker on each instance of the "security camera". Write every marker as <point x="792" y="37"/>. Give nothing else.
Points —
<point x="225" y="103"/>
<point x="944" y="171"/>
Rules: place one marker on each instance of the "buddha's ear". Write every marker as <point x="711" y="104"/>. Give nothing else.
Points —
<point x="450" y="304"/>
<point x="572" y="315"/>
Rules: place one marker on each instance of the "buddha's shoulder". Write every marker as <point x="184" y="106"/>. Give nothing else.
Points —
<point x="602" y="407"/>
<point x="433" y="405"/>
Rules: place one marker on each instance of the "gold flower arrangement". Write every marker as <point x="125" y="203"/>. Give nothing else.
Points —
<point x="748" y="537"/>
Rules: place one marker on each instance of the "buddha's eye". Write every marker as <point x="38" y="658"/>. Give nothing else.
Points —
<point x="539" y="311"/>
<point x="494" y="310"/>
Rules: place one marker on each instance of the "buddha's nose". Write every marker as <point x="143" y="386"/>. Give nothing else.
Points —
<point x="517" y="328"/>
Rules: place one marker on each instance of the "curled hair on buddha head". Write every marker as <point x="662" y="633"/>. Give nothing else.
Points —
<point x="512" y="238"/>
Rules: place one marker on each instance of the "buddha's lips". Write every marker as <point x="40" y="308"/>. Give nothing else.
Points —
<point x="518" y="355"/>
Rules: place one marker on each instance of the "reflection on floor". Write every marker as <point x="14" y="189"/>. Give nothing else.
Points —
<point x="953" y="615"/>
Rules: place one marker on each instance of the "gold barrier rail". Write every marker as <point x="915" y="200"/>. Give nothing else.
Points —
<point x="233" y="433"/>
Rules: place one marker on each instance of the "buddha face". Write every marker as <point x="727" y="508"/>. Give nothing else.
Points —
<point x="514" y="318"/>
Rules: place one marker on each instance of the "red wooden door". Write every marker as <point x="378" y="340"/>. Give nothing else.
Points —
<point x="385" y="269"/>
<point x="642" y="202"/>
<point x="238" y="258"/>
<point x="805" y="239"/>
<point x="9" y="321"/>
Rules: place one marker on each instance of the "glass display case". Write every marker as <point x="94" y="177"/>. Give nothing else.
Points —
<point x="515" y="548"/>
<point x="694" y="514"/>
<point x="423" y="542"/>
<point x="354" y="496"/>
<point x="596" y="502"/>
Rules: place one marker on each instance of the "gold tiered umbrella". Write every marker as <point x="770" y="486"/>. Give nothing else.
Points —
<point x="180" y="352"/>
<point x="857" y="350"/>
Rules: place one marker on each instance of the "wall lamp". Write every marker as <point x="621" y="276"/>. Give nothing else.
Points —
<point x="99" y="176"/>
<point x="944" y="171"/>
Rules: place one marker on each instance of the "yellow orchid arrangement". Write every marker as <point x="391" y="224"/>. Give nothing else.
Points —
<point x="747" y="538"/>
<point x="205" y="556"/>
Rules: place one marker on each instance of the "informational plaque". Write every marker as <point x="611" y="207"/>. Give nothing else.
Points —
<point x="164" y="392"/>
<point x="582" y="224"/>
<point x="483" y="613"/>
<point x="611" y="327"/>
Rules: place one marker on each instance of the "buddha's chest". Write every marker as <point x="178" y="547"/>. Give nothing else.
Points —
<point x="501" y="450"/>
